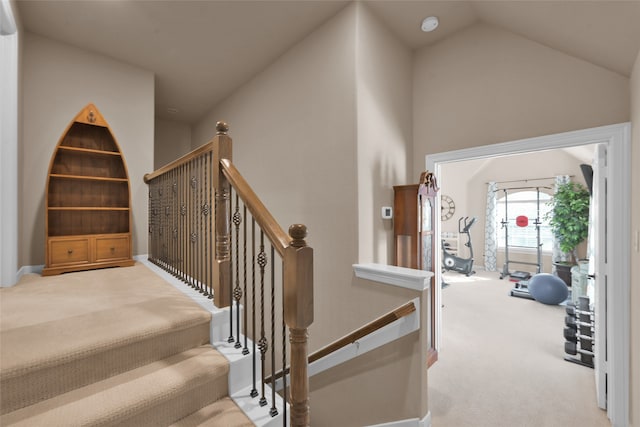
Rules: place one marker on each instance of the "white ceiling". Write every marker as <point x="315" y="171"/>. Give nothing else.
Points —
<point x="201" y="51"/>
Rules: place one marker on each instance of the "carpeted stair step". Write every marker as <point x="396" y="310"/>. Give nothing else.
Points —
<point x="157" y="394"/>
<point x="221" y="413"/>
<point x="41" y="360"/>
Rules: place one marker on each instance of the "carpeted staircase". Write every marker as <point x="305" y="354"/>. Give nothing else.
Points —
<point x="109" y="347"/>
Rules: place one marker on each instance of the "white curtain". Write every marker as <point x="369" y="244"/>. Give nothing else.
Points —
<point x="558" y="255"/>
<point x="490" y="235"/>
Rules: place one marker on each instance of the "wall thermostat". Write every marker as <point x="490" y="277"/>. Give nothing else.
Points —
<point x="387" y="212"/>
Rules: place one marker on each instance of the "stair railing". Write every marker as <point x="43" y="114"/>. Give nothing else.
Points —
<point x="354" y="336"/>
<point x="221" y="252"/>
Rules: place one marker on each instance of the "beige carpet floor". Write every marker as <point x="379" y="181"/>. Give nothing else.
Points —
<point x="501" y="362"/>
<point x="117" y="346"/>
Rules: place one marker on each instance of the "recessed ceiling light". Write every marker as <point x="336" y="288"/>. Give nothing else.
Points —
<point x="429" y="23"/>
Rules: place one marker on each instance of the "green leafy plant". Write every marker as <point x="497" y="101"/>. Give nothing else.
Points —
<point x="569" y="216"/>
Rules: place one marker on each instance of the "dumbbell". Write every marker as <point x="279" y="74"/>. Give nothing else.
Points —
<point x="572" y="335"/>
<point x="586" y="356"/>
<point x="586" y="328"/>
<point x="582" y="304"/>
<point x="585" y="316"/>
<point x="572" y="322"/>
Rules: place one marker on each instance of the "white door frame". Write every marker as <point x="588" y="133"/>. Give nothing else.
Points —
<point x="618" y="140"/>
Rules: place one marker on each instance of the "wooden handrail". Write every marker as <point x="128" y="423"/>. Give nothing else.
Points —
<point x="359" y="333"/>
<point x="263" y="217"/>
<point x="179" y="162"/>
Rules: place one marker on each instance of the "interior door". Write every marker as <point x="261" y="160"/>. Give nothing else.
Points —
<point x="598" y="270"/>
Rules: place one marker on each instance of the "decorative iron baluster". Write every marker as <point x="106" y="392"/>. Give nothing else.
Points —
<point x="211" y="225"/>
<point x="284" y="363"/>
<point x="183" y="221"/>
<point x="189" y="228"/>
<point x="193" y="235"/>
<point x="199" y="259"/>
<point x="254" y="391"/>
<point x="237" y="291"/>
<point x="167" y="215"/>
<point x="174" y="231"/>
<point x="273" y="411"/>
<point x="229" y="220"/>
<point x="161" y="220"/>
<point x="263" y="345"/>
<point x="151" y="234"/>
<point x="206" y="236"/>
<point x="245" y="350"/>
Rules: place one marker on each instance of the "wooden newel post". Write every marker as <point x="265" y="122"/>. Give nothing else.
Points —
<point x="298" y="315"/>
<point x="222" y="149"/>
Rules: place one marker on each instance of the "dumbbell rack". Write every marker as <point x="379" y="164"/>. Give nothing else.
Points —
<point x="578" y="333"/>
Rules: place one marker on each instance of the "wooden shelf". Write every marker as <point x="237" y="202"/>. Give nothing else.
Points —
<point x="88" y="178"/>
<point x="85" y="208"/>
<point x="89" y="150"/>
<point x="88" y="215"/>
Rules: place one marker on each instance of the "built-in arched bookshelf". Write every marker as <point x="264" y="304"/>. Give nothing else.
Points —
<point x="88" y="202"/>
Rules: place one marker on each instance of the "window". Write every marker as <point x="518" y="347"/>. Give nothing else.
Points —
<point x="524" y="203"/>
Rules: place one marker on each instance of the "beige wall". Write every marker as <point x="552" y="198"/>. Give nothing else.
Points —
<point x="59" y="80"/>
<point x="172" y="140"/>
<point x="485" y="85"/>
<point x="635" y="253"/>
<point x="295" y="129"/>
<point x="466" y="182"/>
<point x="294" y="140"/>
<point x="383" y="79"/>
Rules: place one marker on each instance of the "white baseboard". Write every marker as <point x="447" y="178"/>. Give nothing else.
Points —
<point x="37" y="269"/>
<point x="411" y="422"/>
<point x="25" y="269"/>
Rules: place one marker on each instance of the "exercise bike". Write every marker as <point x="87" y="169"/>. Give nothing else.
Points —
<point x="452" y="262"/>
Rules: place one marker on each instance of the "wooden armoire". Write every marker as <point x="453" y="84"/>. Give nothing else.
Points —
<point x="414" y="240"/>
<point x="88" y="202"/>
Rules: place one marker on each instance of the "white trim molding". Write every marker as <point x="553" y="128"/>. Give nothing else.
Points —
<point x="9" y="133"/>
<point x="418" y="280"/>
<point x="389" y="333"/>
<point x="617" y="138"/>
<point x="411" y="422"/>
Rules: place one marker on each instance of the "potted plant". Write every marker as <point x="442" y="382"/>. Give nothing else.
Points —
<point x="569" y="221"/>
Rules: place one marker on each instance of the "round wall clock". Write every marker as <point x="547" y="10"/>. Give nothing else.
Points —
<point x="447" y="207"/>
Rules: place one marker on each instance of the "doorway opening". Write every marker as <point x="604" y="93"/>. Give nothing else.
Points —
<point x="616" y="138"/>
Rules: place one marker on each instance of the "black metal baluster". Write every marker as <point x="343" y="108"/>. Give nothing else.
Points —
<point x="211" y="224"/>
<point x="273" y="411"/>
<point x="237" y="292"/>
<point x="150" y="213"/>
<point x="167" y="219"/>
<point x="157" y="213"/>
<point x="263" y="344"/>
<point x="284" y="361"/>
<point x="174" y="230"/>
<point x="162" y="219"/>
<point x="205" y="212"/>
<point x="245" y="350"/>
<point x="254" y="391"/>
<point x="200" y="227"/>
<point x="189" y="229"/>
<point x="183" y="222"/>
<point x="194" y="227"/>
<point x="230" y="339"/>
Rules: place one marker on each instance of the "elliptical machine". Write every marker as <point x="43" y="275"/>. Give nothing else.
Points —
<point x="452" y="262"/>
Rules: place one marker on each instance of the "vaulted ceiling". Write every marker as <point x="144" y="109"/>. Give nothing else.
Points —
<point x="201" y="51"/>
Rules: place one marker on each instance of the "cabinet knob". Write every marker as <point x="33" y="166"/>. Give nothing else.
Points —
<point x="69" y="251"/>
<point x="113" y="249"/>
